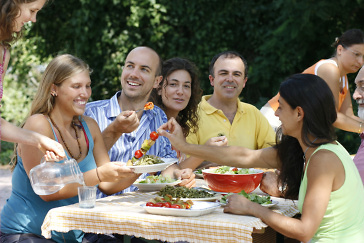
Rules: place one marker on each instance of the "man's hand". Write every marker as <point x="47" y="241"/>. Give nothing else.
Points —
<point x="217" y="141"/>
<point x="187" y="176"/>
<point x="270" y="185"/>
<point x="126" y="122"/>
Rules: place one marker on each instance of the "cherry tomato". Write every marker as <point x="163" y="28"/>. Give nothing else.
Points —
<point x="235" y="169"/>
<point x="138" y="154"/>
<point x="187" y="205"/>
<point x="175" y="206"/>
<point x="167" y="205"/>
<point x="150" y="204"/>
<point x="154" y="136"/>
<point x="160" y="204"/>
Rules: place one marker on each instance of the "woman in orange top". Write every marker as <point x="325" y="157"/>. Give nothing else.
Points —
<point x="348" y="58"/>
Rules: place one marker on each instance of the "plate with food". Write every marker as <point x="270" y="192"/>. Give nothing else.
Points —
<point x="151" y="163"/>
<point x="155" y="183"/>
<point x="264" y="201"/>
<point x="198" y="174"/>
<point x="198" y="209"/>
<point x="193" y="194"/>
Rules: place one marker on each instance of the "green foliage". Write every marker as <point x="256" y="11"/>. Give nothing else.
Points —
<point x="278" y="38"/>
<point x="6" y="154"/>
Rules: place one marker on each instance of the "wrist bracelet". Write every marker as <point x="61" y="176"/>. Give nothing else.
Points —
<point x="97" y="173"/>
<point x="360" y="127"/>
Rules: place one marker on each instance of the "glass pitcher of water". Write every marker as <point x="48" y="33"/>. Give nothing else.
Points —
<point x="50" y="177"/>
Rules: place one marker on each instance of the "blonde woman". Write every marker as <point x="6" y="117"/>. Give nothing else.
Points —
<point x="57" y="113"/>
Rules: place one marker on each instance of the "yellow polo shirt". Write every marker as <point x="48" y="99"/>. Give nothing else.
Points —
<point x="249" y="129"/>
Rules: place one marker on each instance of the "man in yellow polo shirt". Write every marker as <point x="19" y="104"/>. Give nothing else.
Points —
<point x="223" y="114"/>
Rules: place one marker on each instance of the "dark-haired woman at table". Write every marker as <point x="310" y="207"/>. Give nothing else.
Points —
<point x="315" y="167"/>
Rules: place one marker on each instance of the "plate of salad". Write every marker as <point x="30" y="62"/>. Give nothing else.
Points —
<point x="264" y="201"/>
<point x="198" y="174"/>
<point x="155" y="183"/>
<point x="193" y="194"/>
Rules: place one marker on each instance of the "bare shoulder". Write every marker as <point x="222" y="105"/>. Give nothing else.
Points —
<point x="324" y="161"/>
<point x="91" y="123"/>
<point x="329" y="72"/>
<point x="38" y="123"/>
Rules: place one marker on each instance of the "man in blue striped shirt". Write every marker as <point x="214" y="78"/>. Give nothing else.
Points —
<point x="123" y="129"/>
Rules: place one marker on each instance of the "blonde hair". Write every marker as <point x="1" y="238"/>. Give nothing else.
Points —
<point x="58" y="70"/>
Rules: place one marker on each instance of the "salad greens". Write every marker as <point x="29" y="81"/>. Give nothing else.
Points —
<point x="157" y="179"/>
<point x="230" y="170"/>
<point x="198" y="171"/>
<point x="262" y="200"/>
<point x="184" y="192"/>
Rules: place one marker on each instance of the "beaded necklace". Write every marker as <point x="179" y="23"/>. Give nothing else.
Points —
<point x="64" y="142"/>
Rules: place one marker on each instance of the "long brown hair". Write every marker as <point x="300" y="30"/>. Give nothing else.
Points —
<point x="187" y="118"/>
<point x="9" y="11"/>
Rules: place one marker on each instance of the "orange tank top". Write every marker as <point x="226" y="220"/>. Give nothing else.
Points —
<point x="313" y="70"/>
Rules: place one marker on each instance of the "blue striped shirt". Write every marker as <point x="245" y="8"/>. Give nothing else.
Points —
<point x="106" y="111"/>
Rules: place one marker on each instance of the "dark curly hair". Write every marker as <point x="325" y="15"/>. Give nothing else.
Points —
<point x="187" y="118"/>
<point x="313" y="95"/>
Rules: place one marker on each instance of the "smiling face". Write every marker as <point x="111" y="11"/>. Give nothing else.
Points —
<point x="351" y="58"/>
<point x="287" y="116"/>
<point x="73" y="93"/>
<point x="28" y="12"/>
<point x="139" y="74"/>
<point x="176" y="92"/>
<point x="229" y="78"/>
<point x="358" y="94"/>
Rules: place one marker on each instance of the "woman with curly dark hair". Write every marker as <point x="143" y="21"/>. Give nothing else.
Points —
<point x="179" y="93"/>
<point x="13" y="15"/>
<point x="315" y="168"/>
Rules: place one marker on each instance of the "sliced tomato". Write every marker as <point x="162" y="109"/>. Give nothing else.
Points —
<point x="175" y="206"/>
<point x="235" y="169"/>
<point x="154" y="136"/>
<point x="138" y="154"/>
<point x="150" y="204"/>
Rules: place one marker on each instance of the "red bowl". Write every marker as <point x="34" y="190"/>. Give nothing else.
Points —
<point x="233" y="182"/>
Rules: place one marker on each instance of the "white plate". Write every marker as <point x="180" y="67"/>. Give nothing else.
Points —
<point x="148" y="187"/>
<point x="155" y="167"/>
<point x="270" y="205"/>
<point x="198" y="175"/>
<point x="263" y="205"/>
<point x="197" y="209"/>
<point x="214" y="198"/>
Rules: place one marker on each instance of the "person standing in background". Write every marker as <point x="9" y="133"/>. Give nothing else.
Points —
<point x="348" y="58"/>
<point x="13" y="15"/>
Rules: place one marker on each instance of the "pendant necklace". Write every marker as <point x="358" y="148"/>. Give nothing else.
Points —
<point x="304" y="154"/>
<point x="64" y="142"/>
